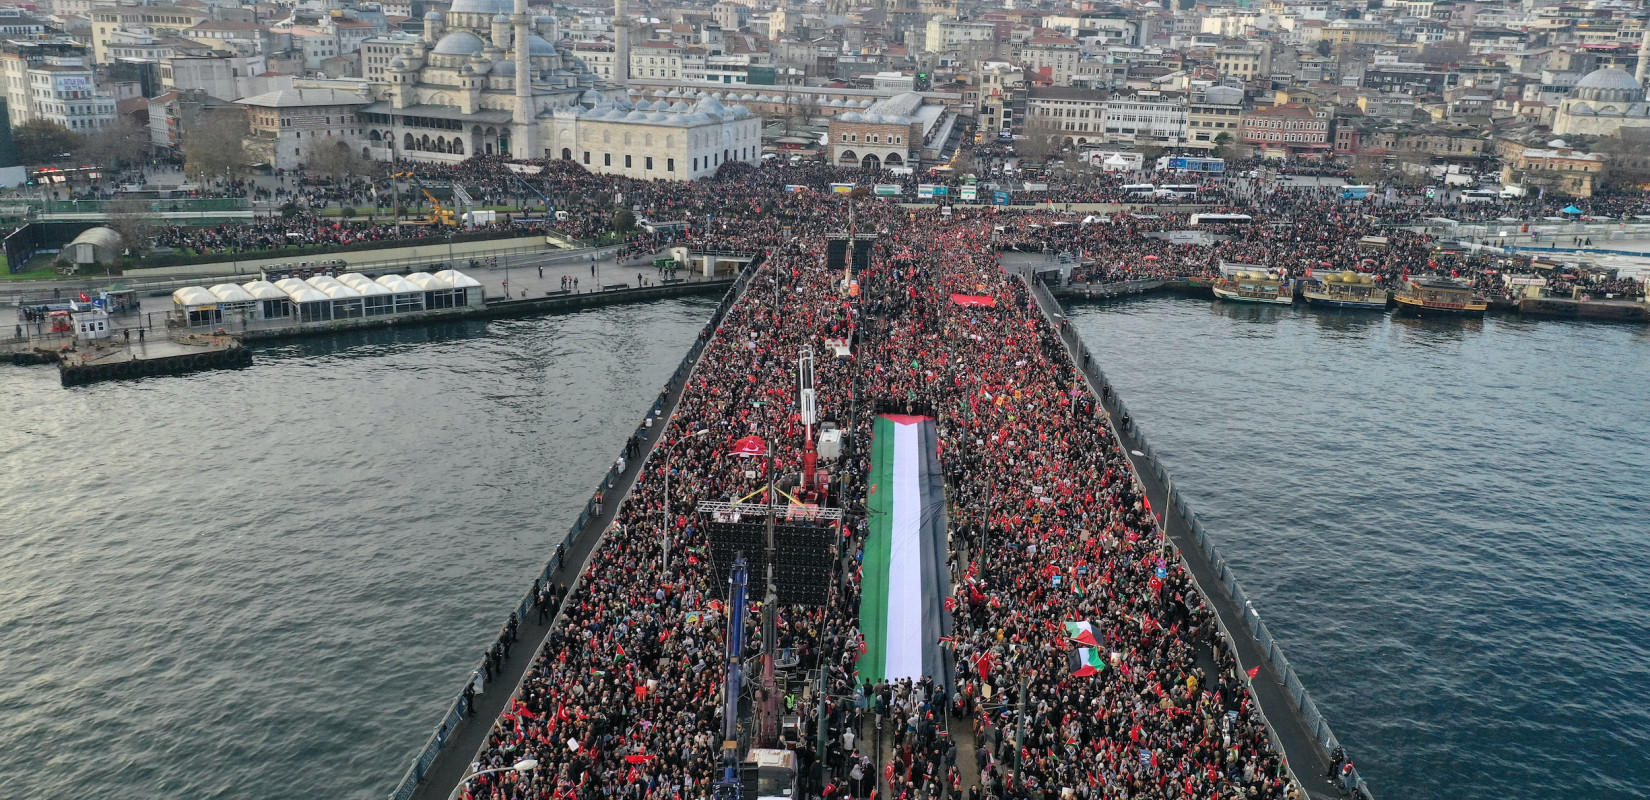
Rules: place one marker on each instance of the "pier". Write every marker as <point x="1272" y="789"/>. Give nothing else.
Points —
<point x="1297" y="728"/>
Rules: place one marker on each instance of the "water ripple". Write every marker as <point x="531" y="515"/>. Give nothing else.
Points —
<point x="1443" y="522"/>
<point x="267" y="582"/>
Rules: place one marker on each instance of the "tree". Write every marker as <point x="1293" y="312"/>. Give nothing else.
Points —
<point x="1366" y="170"/>
<point x="1225" y="147"/>
<point x="334" y="158"/>
<point x="121" y="144"/>
<point x="624" y="221"/>
<point x="1324" y="47"/>
<point x="131" y="219"/>
<point x="215" y="146"/>
<point x="1043" y="139"/>
<point x="41" y="142"/>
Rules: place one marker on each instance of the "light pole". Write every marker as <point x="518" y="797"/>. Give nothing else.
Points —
<point x="670" y="453"/>
<point x="523" y="766"/>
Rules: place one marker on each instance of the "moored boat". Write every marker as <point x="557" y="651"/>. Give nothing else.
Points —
<point x="1244" y="283"/>
<point x="1345" y="290"/>
<point x="1434" y="294"/>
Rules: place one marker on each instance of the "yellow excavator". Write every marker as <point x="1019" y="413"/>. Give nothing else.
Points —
<point x="438" y="215"/>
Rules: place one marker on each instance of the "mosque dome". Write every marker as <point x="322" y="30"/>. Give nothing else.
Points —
<point x="1609" y="85"/>
<point x="538" y="46"/>
<point x="1608" y="78"/>
<point x="501" y="18"/>
<point x="851" y="116"/>
<point x="680" y="107"/>
<point x="593" y="97"/>
<point x="488" y="7"/>
<point x="432" y="16"/>
<point x="459" y="43"/>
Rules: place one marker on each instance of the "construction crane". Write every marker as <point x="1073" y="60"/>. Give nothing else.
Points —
<point x="547" y="204"/>
<point x="805" y="399"/>
<point x="438" y="215"/>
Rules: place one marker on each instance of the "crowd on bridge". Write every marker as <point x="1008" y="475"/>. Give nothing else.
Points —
<point x="623" y="700"/>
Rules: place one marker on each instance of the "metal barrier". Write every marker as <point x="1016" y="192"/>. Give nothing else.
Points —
<point x="455" y="713"/>
<point x="1084" y="361"/>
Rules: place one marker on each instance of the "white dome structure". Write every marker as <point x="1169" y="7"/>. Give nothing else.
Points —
<point x="459" y="43"/>
<point x="1609" y="79"/>
<point x="488" y="7"/>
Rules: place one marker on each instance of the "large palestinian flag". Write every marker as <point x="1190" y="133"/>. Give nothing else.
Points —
<point x="904" y="580"/>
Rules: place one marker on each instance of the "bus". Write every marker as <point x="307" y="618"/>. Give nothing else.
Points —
<point x="1139" y="189"/>
<point x="1480" y="196"/>
<point x="1355" y="192"/>
<point x="1180" y="191"/>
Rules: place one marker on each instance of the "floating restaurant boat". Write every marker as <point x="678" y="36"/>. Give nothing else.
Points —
<point x="1245" y="283"/>
<point x="1346" y="289"/>
<point x="1435" y="294"/>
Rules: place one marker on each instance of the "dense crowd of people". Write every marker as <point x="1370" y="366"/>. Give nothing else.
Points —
<point x="622" y="702"/>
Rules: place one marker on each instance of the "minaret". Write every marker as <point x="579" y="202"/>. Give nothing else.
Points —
<point x="526" y="144"/>
<point x="621" y="44"/>
<point x="1644" y="56"/>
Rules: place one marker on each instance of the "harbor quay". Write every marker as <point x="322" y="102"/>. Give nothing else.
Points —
<point x="1080" y="650"/>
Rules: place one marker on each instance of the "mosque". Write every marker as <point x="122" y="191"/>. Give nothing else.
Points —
<point x="488" y="79"/>
<point x="1602" y="103"/>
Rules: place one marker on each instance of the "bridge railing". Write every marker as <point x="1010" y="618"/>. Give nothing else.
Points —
<point x="1255" y="627"/>
<point x="455" y="711"/>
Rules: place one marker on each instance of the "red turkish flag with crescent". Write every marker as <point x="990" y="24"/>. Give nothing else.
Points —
<point x="749" y="446"/>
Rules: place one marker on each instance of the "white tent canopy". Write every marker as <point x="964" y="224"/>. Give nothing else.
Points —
<point x="428" y="282"/>
<point x="397" y="284"/>
<point x="191" y="296"/>
<point x="300" y="292"/>
<point x="264" y="290"/>
<point x="231" y="293"/>
<point x="363" y="285"/>
<point x="458" y="279"/>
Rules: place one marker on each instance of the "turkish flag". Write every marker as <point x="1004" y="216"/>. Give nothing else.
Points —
<point x="749" y="446"/>
<point x="1254" y="672"/>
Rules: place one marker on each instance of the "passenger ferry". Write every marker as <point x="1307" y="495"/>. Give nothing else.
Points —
<point x="1433" y="294"/>
<point x="1245" y="283"/>
<point x="1346" y="289"/>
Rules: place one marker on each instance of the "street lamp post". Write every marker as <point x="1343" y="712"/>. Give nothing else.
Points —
<point x="523" y="766"/>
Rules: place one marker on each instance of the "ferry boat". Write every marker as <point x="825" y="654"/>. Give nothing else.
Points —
<point x="1346" y="289"/>
<point x="1432" y="294"/>
<point x="1245" y="283"/>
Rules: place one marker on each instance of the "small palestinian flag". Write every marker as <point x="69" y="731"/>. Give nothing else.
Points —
<point x="1085" y="632"/>
<point x="1086" y="661"/>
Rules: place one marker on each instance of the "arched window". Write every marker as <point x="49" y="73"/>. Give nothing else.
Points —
<point x="566" y="154"/>
<point x="408" y="144"/>
<point x="458" y="146"/>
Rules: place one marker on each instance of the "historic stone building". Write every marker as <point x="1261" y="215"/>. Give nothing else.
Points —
<point x="1602" y="103"/>
<point x="483" y="80"/>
